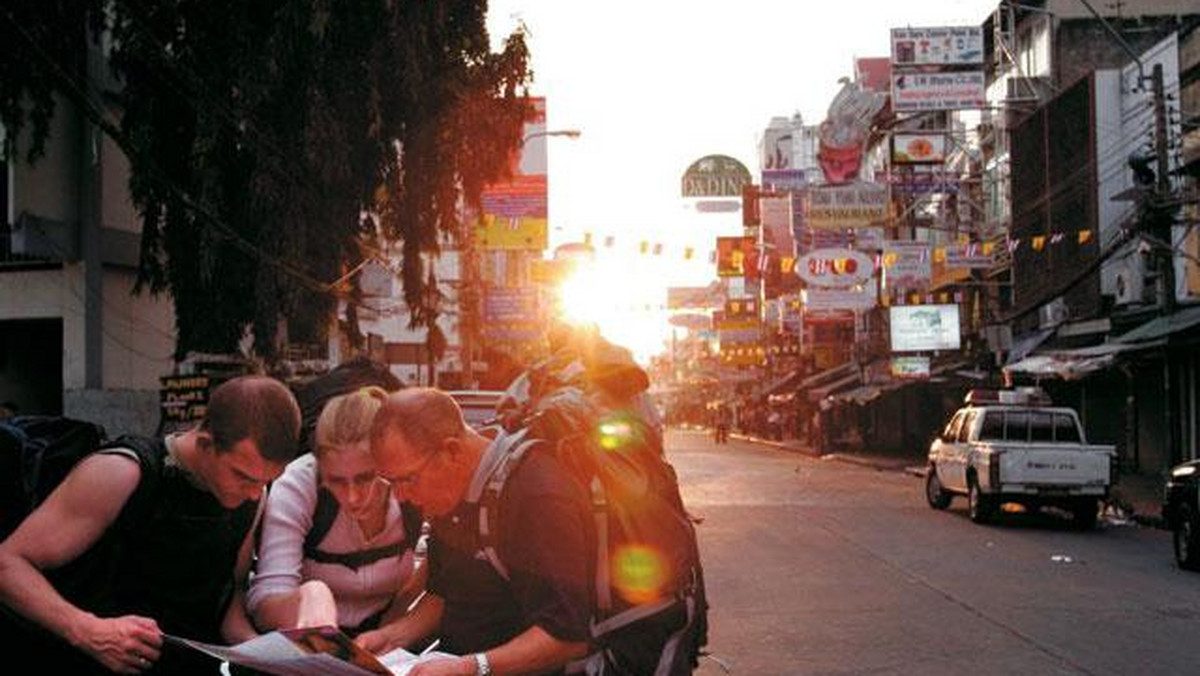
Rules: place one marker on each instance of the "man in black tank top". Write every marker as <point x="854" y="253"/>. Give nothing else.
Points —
<point x="146" y="537"/>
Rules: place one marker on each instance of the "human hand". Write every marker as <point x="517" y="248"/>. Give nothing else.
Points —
<point x="376" y="641"/>
<point x="444" y="666"/>
<point x="126" y="645"/>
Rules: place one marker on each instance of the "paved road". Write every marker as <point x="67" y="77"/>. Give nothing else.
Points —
<point x="824" y="567"/>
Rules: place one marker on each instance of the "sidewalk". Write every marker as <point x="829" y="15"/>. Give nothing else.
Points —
<point x="1136" y="497"/>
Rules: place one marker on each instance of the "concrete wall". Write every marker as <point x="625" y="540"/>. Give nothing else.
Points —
<point x="120" y="411"/>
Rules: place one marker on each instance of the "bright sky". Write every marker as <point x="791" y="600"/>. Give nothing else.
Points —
<point x="656" y="84"/>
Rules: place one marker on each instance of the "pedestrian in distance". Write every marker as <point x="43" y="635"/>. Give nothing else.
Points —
<point x="147" y="537"/>
<point x="336" y="546"/>
<point x="537" y="620"/>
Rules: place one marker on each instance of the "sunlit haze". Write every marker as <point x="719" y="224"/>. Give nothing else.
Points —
<point x="654" y="86"/>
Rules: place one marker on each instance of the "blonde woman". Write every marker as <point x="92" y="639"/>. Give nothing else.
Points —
<point x="336" y="546"/>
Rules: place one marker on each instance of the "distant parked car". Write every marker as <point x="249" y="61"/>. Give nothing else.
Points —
<point x="1181" y="511"/>
<point x="478" y="406"/>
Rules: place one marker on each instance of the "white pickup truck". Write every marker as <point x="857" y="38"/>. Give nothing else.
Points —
<point x="1012" y="446"/>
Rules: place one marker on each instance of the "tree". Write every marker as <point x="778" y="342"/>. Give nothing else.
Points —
<point x="275" y="145"/>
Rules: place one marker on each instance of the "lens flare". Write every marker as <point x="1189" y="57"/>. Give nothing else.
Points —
<point x="615" y="434"/>
<point x="639" y="573"/>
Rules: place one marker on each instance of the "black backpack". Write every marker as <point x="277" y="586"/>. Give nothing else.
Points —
<point x="650" y="605"/>
<point x="36" y="454"/>
<point x="325" y="513"/>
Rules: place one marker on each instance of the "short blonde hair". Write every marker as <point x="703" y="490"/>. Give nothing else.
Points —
<point x="346" y="419"/>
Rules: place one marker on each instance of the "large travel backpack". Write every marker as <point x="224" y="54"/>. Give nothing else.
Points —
<point x="650" y="606"/>
<point x="36" y="454"/>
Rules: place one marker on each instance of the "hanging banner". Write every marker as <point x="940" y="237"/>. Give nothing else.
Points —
<point x="837" y="207"/>
<point x="906" y="265"/>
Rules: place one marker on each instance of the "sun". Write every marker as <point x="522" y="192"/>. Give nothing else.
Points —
<point x="623" y="304"/>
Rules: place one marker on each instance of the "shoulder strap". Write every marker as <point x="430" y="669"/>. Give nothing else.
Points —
<point x="324" y="514"/>
<point x="486" y="489"/>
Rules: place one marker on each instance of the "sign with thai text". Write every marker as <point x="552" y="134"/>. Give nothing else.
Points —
<point x="906" y="265"/>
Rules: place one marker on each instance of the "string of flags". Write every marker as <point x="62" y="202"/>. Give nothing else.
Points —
<point x="938" y="254"/>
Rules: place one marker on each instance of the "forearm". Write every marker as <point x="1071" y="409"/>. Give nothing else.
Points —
<point x="533" y="651"/>
<point x="236" y="626"/>
<point x="407" y="631"/>
<point x="25" y="590"/>
<point x="309" y="605"/>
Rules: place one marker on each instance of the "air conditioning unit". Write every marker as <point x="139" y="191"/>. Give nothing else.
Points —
<point x="1131" y="283"/>
<point x="1027" y="89"/>
<point x="1053" y="313"/>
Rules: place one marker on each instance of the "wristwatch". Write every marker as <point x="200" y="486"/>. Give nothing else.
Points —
<point x="482" y="667"/>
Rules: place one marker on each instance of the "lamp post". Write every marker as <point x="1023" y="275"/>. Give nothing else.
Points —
<point x="472" y="285"/>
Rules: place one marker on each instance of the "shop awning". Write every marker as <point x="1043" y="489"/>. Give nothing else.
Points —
<point x="1022" y="346"/>
<point x="828" y="375"/>
<point x="1162" y="327"/>
<point x="819" y="393"/>
<point x="788" y="383"/>
<point x="1079" y="362"/>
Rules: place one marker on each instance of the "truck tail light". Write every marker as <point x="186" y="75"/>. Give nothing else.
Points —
<point x="994" y="470"/>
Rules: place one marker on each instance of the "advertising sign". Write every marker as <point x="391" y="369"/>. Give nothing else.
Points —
<point x="742" y="308"/>
<point x="970" y="256"/>
<point x="910" y="368"/>
<point x="738" y="330"/>
<point x="906" y="265"/>
<point x="734" y="255"/>
<point x="836" y="207"/>
<point x="692" y="297"/>
<point x="549" y="272"/>
<point x="918" y="148"/>
<point x="183" y="398"/>
<point x="693" y="321"/>
<point x="784" y="180"/>
<point x="835" y="267"/>
<point x="510" y="313"/>
<point x="715" y="176"/>
<point x="742" y="354"/>
<point x="920" y="328"/>
<point x="941" y="46"/>
<point x="819" y="299"/>
<point x="915" y="92"/>
<point x="777" y="224"/>
<point x="921" y="182"/>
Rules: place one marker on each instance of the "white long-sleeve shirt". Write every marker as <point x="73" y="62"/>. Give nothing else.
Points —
<point x="282" y="566"/>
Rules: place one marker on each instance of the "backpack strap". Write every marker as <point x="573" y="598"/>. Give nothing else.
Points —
<point x="487" y="486"/>
<point x="324" y="514"/>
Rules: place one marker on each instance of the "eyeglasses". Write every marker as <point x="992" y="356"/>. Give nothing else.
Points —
<point x="406" y="481"/>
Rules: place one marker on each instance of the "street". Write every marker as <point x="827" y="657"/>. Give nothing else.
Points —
<point x="823" y="567"/>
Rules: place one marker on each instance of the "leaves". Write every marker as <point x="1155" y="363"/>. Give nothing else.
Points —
<point x="259" y="134"/>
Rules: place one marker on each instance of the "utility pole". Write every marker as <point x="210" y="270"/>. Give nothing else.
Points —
<point x="1161" y="215"/>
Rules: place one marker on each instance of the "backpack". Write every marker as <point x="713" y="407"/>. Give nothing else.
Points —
<point x="650" y="614"/>
<point x="324" y="514"/>
<point x="36" y="454"/>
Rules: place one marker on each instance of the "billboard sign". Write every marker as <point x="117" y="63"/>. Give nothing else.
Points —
<point x="692" y="297"/>
<point x="837" y="207"/>
<point x="920" y="328"/>
<point x="937" y="46"/>
<point x="820" y="300"/>
<point x="715" y="176"/>
<point x="835" y="267"/>
<point x="919" y="148"/>
<point x="916" y="92"/>
<point x="970" y="256"/>
<point x="910" y="368"/>
<point x="906" y="265"/>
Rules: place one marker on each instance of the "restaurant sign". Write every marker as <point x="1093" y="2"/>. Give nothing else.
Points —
<point x="715" y="176"/>
<point x="835" y="267"/>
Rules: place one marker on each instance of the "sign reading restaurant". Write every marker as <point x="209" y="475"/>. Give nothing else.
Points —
<point x="855" y="205"/>
<point x="715" y="176"/>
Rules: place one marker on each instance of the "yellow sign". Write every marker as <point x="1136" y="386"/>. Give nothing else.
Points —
<point x="517" y="233"/>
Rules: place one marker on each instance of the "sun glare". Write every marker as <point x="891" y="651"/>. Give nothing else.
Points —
<point x="618" y="301"/>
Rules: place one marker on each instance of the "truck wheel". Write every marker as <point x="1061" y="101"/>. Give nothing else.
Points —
<point x="979" y="506"/>
<point x="1187" y="549"/>
<point x="1084" y="513"/>
<point x="937" y="496"/>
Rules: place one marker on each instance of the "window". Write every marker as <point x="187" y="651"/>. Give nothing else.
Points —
<point x="964" y="430"/>
<point x="993" y="426"/>
<point x="1041" y="426"/>
<point x="1016" y="426"/>
<point x="951" y="431"/>
<point x="1065" y="429"/>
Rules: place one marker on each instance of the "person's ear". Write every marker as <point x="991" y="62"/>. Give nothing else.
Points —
<point x="452" y="447"/>
<point x="205" y="441"/>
